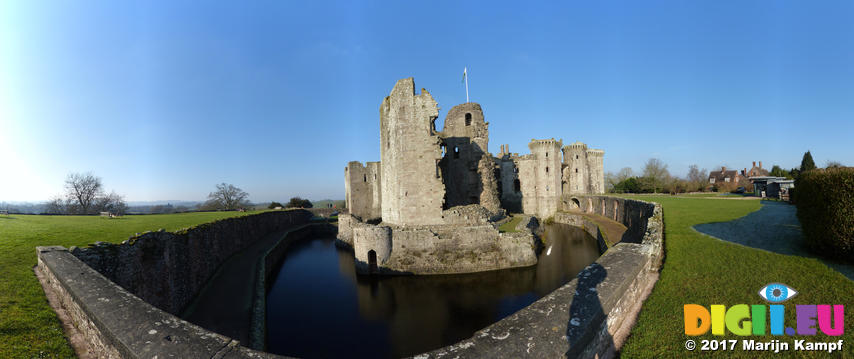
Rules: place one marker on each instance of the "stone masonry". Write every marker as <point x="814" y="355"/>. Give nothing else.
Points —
<point x="424" y="173"/>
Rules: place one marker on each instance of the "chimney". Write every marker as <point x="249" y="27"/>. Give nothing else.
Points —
<point x="723" y="169"/>
<point x="754" y="163"/>
<point x="744" y="173"/>
<point x="760" y="165"/>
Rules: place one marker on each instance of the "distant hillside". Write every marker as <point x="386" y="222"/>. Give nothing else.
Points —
<point x="338" y="203"/>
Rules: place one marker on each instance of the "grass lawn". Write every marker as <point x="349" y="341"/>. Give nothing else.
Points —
<point x="510" y="226"/>
<point x="28" y="326"/>
<point x="699" y="269"/>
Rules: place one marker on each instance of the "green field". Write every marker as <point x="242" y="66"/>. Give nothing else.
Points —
<point x="28" y="326"/>
<point x="699" y="269"/>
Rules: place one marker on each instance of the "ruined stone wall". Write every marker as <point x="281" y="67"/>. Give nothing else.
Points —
<point x="411" y="184"/>
<point x="511" y="197"/>
<point x="595" y="171"/>
<point x="526" y="167"/>
<point x="168" y="269"/>
<point x="437" y="250"/>
<point x="467" y="167"/>
<point x="362" y="189"/>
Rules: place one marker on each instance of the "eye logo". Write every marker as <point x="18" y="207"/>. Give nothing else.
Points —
<point x="777" y="292"/>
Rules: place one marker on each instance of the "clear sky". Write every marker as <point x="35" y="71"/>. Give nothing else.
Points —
<point x="164" y="99"/>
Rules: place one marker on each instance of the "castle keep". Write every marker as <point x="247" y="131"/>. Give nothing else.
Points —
<point x="434" y="201"/>
<point x="424" y="172"/>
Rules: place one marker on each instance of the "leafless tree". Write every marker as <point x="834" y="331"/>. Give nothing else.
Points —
<point x="697" y="177"/>
<point x="655" y="174"/>
<point x="227" y="196"/>
<point x="82" y="189"/>
<point x="55" y="205"/>
<point x="112" y="203"/>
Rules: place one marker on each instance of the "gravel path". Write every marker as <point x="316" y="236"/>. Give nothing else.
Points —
<point x="775" y="228"/>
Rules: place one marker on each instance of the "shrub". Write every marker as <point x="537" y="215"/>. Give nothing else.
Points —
<point x="826" y="211"/>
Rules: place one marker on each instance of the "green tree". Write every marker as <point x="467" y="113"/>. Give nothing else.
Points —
<point x="807" y="163"/>
<point x="776" y="171"/>
<point x="655" y="175"/>
<point x="297" y="202"/>
<point x="275" y="204"/>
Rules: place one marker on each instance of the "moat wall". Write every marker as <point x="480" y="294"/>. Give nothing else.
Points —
<point x="592" y="315"/>
<point x="168" y="269"/>
<point x="114" y="321"/>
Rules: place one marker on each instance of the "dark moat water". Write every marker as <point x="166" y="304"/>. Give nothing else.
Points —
<point x="319" y="308"/>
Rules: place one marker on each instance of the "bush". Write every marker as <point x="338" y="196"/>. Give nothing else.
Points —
<point x="826" y="211"/>
<point x="297" y="202"/>
<point x="274" y="205"/>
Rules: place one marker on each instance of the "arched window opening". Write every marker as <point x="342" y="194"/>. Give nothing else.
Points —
<point x="366" y="178"/>
<point x="576" y="170"/>
<point x="547" y="170"/>
<point x="372" y="261"/>
<point x="468" y="119"/>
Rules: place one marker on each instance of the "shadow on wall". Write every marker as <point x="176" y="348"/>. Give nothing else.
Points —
<point x="459" y="168"/>
<point x="586" y="309"/>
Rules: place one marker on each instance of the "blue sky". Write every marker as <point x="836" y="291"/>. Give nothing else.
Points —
<point x="165" y="99"/>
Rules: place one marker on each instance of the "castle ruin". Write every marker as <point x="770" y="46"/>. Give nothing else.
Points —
<point x="427" y="177"/>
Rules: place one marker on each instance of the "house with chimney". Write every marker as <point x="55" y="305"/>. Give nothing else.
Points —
<point x="755" y="171"/>
<point x="723" y="176"/>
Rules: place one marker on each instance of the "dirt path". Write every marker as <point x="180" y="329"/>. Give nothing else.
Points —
<point x="774" y="228"/>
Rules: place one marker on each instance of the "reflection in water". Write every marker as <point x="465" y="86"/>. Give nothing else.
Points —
<point x="319" y="307"/>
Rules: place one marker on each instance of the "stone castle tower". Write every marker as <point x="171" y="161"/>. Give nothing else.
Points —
<point x="411" y="184"/>
<point x="423" y="173"/>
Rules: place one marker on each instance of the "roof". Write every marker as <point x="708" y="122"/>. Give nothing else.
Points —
<point x="718" y="175"/>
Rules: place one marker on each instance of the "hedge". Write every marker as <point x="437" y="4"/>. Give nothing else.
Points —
<point x="825" y="205"/>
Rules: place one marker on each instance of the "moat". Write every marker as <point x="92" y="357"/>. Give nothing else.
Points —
<point x="318" y="307"/>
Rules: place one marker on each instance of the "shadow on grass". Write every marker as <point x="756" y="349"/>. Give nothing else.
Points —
<point x="774" y="228"/>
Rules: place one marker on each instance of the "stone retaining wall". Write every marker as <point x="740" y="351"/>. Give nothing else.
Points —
<point x="593" y="314"/>
<point x="115" y="322"/>
<point x="441" y="249"/>
<point x="168" y="269"/>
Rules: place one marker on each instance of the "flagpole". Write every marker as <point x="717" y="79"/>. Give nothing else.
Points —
<point x="465" y="76"/>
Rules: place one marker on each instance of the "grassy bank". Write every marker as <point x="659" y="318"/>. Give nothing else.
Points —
<point x="28" y="326"/>
<point x="699" y="269"/>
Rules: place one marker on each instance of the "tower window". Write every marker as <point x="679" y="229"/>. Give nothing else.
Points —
<point x="576" y="156"/>
<point x="517" y="185"/>
<point x="366" y="178"/>
<point x="547" y="170"/>
<point x="456" y="152"/>
<point x="468" y="119"/>
<point x="576" y="170"/>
